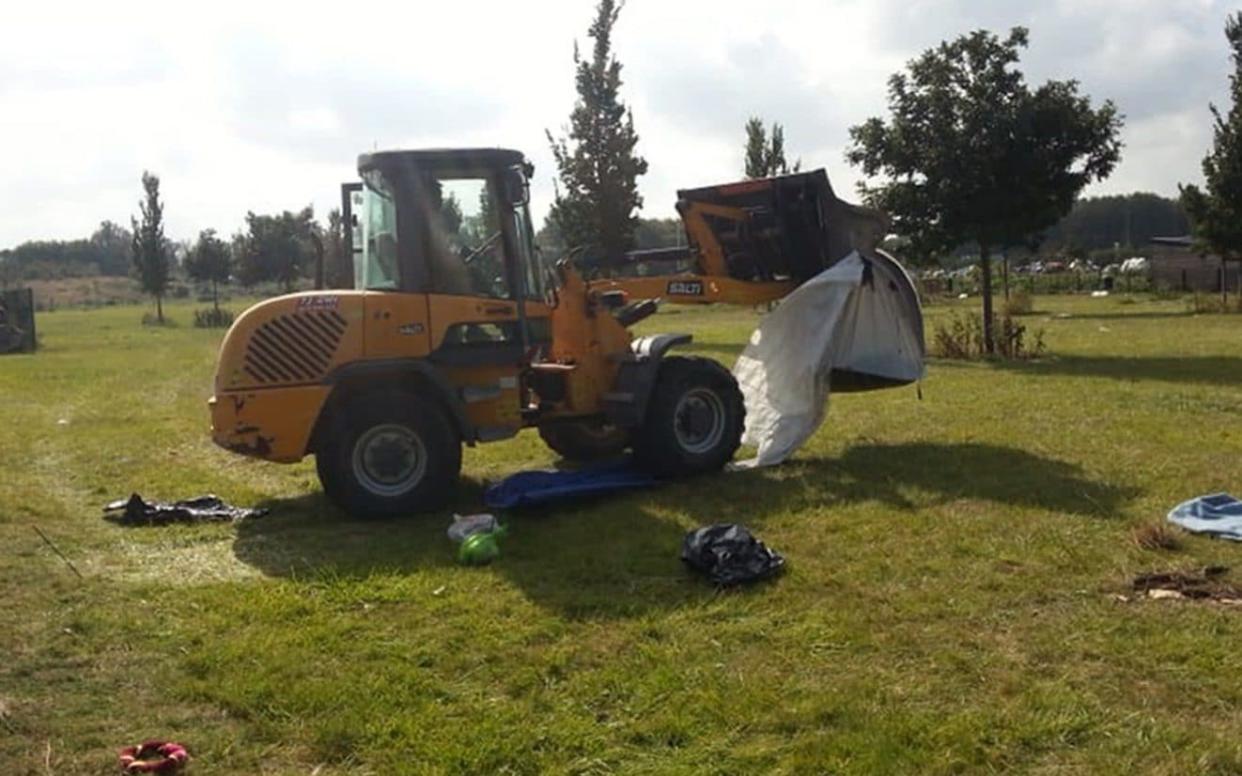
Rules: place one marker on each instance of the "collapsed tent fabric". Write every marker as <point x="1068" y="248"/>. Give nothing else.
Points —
<point x="538" y="487"/>
<point x="856" y="326"/>
<point x="1218" y="515"/>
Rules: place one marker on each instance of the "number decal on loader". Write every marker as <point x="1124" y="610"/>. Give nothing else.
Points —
<point x="319" y="302"/>
<point x="685" y="288"/>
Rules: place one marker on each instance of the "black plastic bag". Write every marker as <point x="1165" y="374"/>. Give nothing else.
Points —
<point x="136" y="511"/>
<point x="729" y="555"/>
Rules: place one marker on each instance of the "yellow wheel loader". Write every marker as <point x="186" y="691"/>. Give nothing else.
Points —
<point x="457" y="331"/>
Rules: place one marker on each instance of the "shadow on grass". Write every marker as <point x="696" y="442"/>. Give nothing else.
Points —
<point x="594" y="559"/>
<point x="618" y="557"/>
<point x="1204" y="370"/>
<point x="308" y="535"/>
<point x="887" y="473"/>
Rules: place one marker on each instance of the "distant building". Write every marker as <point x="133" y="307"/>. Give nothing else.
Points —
<point x="1175" y="264"/>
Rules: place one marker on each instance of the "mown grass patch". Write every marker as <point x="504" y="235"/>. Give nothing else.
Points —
<point x="948" y="605"/>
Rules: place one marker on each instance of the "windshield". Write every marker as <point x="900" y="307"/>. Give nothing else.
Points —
<point x="378" y="268"/>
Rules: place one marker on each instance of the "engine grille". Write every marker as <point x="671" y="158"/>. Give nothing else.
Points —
<point x="293" y="348"/>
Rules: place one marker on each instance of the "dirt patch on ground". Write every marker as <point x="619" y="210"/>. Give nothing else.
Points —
<point x="1207" y="584"/>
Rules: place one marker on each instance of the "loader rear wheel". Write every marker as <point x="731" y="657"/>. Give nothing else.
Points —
<point x="694" y="419"/>
<point x="585" y="440"/>
<point x="389" y="453"/>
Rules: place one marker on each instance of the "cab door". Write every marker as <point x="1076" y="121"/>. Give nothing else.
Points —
<point x="396" y="322"/>
<point x="473" y="250"/>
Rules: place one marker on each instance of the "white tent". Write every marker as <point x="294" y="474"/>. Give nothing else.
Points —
<point x="856" y="326"/>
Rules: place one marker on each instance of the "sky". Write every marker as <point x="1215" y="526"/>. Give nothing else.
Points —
<point x="264" y="106"/>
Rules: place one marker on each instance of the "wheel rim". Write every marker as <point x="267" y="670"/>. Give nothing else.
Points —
<point x="699" y="420"/>
<point x="389" y="460"/>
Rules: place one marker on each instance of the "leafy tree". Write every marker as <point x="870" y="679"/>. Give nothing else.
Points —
<point x="598" y="168"/>
<point x="111" y="243"/>
<point x="550" y="240"/>
<point x="486" y="222"/>
<point x="971" y="154"/>
<point x="315" y="239"/>
<point x="766" y="157"/>
<point x="61" y="258"/>
<point x="276" y="247"/>
<point x="10" y="272"/>
<point x="1129" y="221"/>
<point x="210" y="261"/>
<point x="338" y="254"/>
<point x="149" y="247"/>
<point x="451" y="215"/>
<point x="659" y="233"/>
<point x="1216" y="211"/>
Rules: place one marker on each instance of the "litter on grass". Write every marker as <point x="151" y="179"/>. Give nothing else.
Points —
<point x="464" y="526"/>
<point x="1218" y="515"/>
<point x="729" y="555"/>
<point x="203" y="509"/>
<point x="478" y="537"/>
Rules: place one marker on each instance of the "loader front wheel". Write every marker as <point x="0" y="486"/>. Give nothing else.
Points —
<point x="694" y="419"/>
<point x="389" y="453"/>
<point x="584" y="440"/>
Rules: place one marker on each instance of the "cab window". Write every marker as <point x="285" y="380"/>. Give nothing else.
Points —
<point x="378" y="268"/>
<point x="465" y="249"/>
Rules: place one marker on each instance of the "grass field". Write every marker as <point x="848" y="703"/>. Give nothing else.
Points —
<point x="948" y="604"/>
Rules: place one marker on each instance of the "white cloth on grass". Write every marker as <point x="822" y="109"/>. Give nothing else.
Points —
<point x="1217" y="515"/>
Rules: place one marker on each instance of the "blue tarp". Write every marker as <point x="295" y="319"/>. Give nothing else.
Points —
<point x="540" y="487"/>
<point x="1219" y="515"/>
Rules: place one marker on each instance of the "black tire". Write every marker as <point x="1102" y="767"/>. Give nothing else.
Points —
<point x="694" y="419"/>
<point x="585" y="440"/>
<point x="389" y="453"/>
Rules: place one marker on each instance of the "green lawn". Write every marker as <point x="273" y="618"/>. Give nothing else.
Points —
<point x="948" y="603"/>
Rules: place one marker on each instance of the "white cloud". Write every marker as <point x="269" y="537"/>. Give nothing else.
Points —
<point x="264" y="106"/>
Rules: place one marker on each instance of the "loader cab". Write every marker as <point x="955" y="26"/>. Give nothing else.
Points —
<point x="453" y="222"/>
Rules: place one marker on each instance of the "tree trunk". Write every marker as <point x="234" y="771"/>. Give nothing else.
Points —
<point x="1005" y="275"/>
<point x="1224" y="284"/>
<point x="985" y="264"/>
<point x="215" y="297"/>
<point x="159" y="308"/>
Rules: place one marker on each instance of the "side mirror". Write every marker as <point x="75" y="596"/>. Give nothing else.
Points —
<point x="516" y="192"/>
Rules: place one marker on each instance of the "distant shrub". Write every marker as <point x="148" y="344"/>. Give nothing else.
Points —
<point x="1164" y="291"/>
<point x="149" y="319"/>
<point x="1213" y="305"/>
<point x="962" y="338"/>
<point x="213" y="318"/>
<point x="179" y="291"/>
<point x="1020" y="302"/>
<point x="1012" y="340"/>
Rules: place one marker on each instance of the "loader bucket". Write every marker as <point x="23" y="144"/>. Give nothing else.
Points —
<point x="791" y="227"/>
